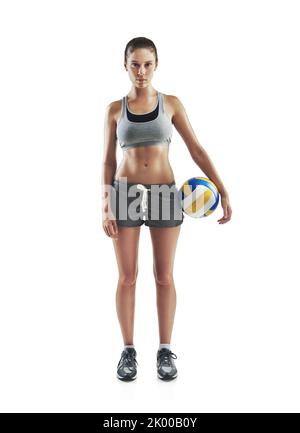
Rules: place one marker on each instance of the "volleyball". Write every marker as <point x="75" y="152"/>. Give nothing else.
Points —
<point x="199" y="197"/>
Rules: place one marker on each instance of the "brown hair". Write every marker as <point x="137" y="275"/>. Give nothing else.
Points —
<point x="140" y="42"/>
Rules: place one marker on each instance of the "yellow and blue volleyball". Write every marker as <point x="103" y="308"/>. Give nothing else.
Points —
<point x="199" y="197"/>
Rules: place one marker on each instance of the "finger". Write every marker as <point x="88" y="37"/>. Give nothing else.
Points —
<point x="222" y="220"/>
<point x="105" y="229"/>
<point x="109" y="229"/>
<point x="116" y="232"/>
<point x="113" y="231"/>
<point x="115" y="225"/>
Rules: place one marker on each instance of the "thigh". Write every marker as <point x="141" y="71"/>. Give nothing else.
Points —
<point x="164" y="242"/>
<point x="126" y="249"/>
<point x="127" y="206"/>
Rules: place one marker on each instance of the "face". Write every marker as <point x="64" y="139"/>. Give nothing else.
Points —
<point x="141" y="66"/>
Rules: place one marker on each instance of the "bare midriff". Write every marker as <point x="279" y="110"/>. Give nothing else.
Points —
<point x="146" y="164"/>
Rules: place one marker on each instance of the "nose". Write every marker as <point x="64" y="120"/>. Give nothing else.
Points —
<point x="141" y="72"/>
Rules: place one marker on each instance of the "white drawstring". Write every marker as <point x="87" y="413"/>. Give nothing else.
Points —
<point x="145" y="197"/>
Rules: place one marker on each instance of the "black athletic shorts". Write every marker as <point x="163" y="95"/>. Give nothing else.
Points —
<point x="155" y="205"/>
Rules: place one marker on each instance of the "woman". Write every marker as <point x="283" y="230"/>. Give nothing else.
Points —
<point x="142" y="122"/>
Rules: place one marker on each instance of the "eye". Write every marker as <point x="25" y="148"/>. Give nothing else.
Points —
<point x="136" y="64"/>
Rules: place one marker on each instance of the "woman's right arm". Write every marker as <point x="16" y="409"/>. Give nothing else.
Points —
<point x="109" y="166"/>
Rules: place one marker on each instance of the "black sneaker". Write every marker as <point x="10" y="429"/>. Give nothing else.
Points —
<point x="166" y="369"/>
<point x="126" y="369"/>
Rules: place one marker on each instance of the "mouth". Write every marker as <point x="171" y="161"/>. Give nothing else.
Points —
<point x="141" y="81"/>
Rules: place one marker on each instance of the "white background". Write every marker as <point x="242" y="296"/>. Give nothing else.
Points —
<point x="235" y="67"/>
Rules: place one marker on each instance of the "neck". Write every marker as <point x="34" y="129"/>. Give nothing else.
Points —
<point x="146" y="94"/>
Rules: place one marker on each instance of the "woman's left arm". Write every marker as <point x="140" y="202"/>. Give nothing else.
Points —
<point x="199" y="154"/>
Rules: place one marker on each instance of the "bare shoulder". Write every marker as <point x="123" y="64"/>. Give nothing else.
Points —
<point x="113" y="110"/>
<point x="172" y="104"/>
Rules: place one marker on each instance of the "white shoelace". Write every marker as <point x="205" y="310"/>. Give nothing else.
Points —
<point x="144" y="197"/>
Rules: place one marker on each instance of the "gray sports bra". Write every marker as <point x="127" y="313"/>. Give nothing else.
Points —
<point x="134" y="130"/>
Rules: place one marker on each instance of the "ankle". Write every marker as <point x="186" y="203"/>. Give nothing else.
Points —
<point x="164" y="346"/>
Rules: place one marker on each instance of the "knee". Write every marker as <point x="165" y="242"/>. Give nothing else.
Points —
<point x="128" y="279"/>
<point x="163" y="277"/>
